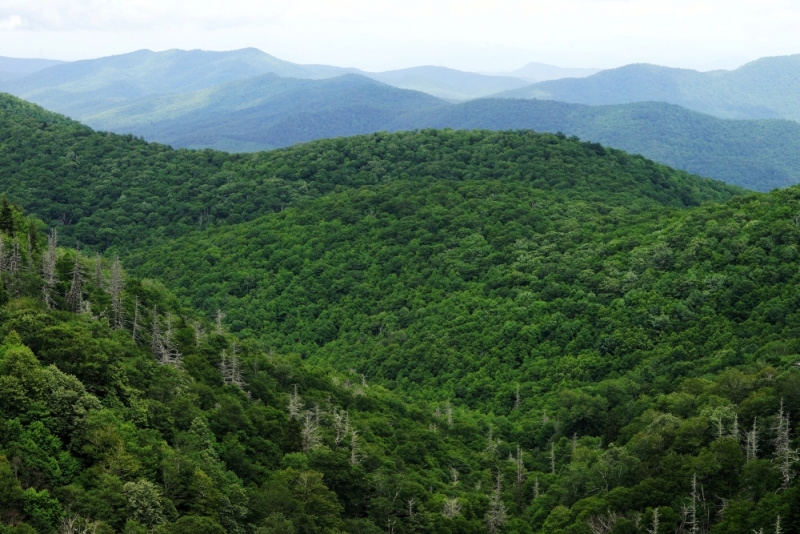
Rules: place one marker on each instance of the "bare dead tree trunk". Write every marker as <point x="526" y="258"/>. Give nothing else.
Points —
<point x="74" y="296"/>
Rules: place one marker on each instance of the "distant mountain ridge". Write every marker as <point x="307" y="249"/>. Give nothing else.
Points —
<point x="539" y="72"/>
<point x="84" y="88"/>
<point x="763" y="89"/>
<point x="446" y="83"/>
<point x="268" y="111"/>
<point x="248" y="101"/>
<point x="12" y="68"/>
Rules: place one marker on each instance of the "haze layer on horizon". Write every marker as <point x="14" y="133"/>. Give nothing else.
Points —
<point x="478" y="35"/>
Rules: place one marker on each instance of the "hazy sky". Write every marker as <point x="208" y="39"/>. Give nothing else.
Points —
<point x="486" y="35"/>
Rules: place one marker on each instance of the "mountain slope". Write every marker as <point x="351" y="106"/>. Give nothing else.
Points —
<point x="762" y="89"/>
<point x="113" y="187"/>
<point x="632" y="354"/>
<point x="449" y="84"/>
<point x="467" y="289"/>
<point x="265" y="112"/>
<point x="84" y="87"/>
<point x="759" y="155"/>
<point x="13" y="68"/>
<point x="268" y="111"/>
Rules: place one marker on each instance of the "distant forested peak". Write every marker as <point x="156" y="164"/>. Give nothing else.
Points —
<point x="117" y="190"/>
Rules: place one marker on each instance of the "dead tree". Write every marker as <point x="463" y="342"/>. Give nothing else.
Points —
<point x="98" y="270"/>
<point x="220" y="316"/>
<point x="135" y="325"/>
<point x="491" y="444"/>
<point x="115" y="288"/>
<point x="49" y="274"/>
<point x="231" y="369"/>
<point x="785" y="455"/>
<point x="310" y="432"/>
<point x="161" y="343"/>
<point x="355" y="449"/>
<point x="602" y="524"/>
<point x="341" y="425"/>
<point x="451" y="508"/>
<point x="295" y="404"/>
<point x="497" y="515"/>
<point x="520" y="469"/>
<point x="74" y="296"/>
<point x="655" y="523"/>
<point x="751" y="442"/>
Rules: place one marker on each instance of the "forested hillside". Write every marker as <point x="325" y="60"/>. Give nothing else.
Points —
<point x="111" y="190"/>
<point x="759" y="155"/>
<point x="268" y="111"/>
<point x="761" y="89"/>
<point x="442" y="332"/>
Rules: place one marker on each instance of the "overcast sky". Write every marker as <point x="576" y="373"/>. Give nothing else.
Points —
<point x="483" y="35"/>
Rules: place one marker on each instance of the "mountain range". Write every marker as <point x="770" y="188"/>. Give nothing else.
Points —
<point x="762" y="89"/>
<point x="268" y="111"/>
<point x="81" y="88"/>
<point x="246" y="100"/>
<point x="14" y="68"/>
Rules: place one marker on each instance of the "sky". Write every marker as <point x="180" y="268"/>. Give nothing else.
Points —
<point x="478" y="35"/>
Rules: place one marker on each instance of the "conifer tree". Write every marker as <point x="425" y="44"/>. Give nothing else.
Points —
<point x="7" y="224"/>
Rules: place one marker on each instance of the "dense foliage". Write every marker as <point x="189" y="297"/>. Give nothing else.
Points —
<point x="118" y="190"/>
<point x="573" y="343"/>
<point x="759" y="155"/>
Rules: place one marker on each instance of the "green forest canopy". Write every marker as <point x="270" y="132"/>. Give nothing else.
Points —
<point x="574" y="339"/>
